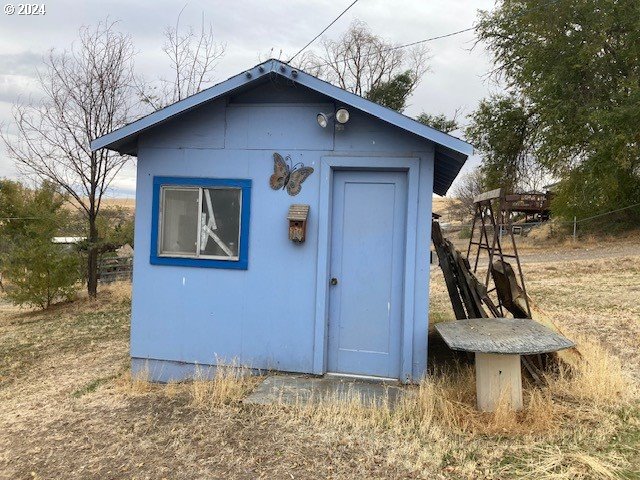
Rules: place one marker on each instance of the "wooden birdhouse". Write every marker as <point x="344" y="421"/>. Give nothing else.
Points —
<point x="297" y="217"/>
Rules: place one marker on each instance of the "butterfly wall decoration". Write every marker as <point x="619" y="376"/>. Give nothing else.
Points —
<point x="288" y="176"/>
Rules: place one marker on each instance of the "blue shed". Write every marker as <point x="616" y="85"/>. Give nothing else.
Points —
<point x="284" y="223"/>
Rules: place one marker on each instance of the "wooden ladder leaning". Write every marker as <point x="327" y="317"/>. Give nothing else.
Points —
<point x="492" y="222"/>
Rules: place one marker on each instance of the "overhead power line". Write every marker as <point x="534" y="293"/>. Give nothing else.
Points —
<point x="418" y="42"/>
<point x="433" y="38"/>
<point x="325" y="29"/>
<point x="398" y="47"/>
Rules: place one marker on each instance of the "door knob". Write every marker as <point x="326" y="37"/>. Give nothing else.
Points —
<point x="334" y="281"/>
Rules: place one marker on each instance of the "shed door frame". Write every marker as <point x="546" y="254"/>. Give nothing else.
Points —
<point x="369" y="162"/>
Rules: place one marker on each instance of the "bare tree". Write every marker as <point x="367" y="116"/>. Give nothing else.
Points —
<point x="193" y="55"/>
<point x="466" y="189"/>
<point x="88" y="92"/>
<point x="360" y="61"/>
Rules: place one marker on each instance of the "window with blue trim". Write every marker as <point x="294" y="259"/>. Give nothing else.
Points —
<point x="201" y="222"/>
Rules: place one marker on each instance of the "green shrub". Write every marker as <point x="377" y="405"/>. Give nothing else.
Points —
<point x="608" y="192"/>
<point x="40" y="272"/>
<point x="465" y="232"/>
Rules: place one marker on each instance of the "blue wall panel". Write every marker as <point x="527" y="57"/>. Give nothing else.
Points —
<point x="292" y="126"/>
<point x="194" y="314"/>
<point x="203" y="127"/>
<point x="364" y="133"/>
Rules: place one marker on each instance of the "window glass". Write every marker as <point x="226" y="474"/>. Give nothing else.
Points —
<point x="179" y="221"/>
<point x="220" y="222"/>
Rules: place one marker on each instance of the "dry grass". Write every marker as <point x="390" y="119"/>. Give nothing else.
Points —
<point x="549" y="236"/>
<point x="31" y="337"/>
<point x="227" y="384"/>
<point x="441" y="412"/>
<point x="118" y="293"/>
<point x="554" y="462"/>
<point x="594" y="299"/>
<point x="137" y="383"/>
<point x="595" y="378"/>
<point x="549" y="239"/>
<point x="129" y="203"/>
<point x="70" y="409"/>
<point x="556" y="234"/>
<point x="213" y="387"/>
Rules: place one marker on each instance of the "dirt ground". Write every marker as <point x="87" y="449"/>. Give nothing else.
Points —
<point x="69" y="410"/>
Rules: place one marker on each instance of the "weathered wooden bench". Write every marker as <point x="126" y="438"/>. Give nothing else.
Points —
<point x="498" y="344"/>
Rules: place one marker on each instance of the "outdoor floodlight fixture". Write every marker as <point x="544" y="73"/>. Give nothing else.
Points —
<point x="323" y="119"/>
<point x="341" y="116"/>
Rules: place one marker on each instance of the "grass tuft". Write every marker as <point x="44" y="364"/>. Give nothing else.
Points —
<point x="552" y="462"/>
<point x="595" y="377"/>
<point x="136" y="383"/>
<point x="225" y="384"/>
<point x="92" y="386"/>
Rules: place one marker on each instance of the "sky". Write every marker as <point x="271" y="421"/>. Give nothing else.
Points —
<point x="251" y="29"/>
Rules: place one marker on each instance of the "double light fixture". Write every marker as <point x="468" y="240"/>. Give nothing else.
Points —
<point x="342" y="117"/>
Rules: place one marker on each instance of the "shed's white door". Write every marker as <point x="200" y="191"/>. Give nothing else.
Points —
<point x="367" y="270"/>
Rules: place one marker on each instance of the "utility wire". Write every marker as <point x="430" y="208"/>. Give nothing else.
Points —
<point x="405" y="45"/>
<point x="419" y="42"/>
<point x="325" y="29"/>
<point x="430" y="39"/>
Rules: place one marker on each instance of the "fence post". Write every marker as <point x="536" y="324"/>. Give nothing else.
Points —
<point x="575" y="226"/>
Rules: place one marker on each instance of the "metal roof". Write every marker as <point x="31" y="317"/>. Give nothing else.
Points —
<point x="450" y="152"/>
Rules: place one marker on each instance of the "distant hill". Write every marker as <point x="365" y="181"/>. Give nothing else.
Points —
<point x="441" y="207"/>
<point x="128" y="204"/>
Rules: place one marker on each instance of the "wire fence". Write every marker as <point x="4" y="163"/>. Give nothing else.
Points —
<point x="602" y="222"/>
